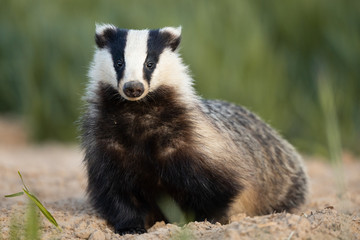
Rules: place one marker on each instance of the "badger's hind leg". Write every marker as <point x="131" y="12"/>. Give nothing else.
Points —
<point x="253" y="202"/>
<point x="296" y="194"/>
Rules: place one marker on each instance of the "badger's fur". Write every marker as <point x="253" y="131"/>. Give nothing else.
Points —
<point x="146" y="133"/>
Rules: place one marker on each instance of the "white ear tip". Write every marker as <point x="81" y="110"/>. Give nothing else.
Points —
<point x="174" y="31"/>
<point x="100" y="27"/>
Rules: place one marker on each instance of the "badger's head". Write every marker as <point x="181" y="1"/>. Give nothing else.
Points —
<point x="136" y="62"/>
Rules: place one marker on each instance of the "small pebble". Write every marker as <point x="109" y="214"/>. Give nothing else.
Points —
<point x="83" y="234"/>
<point x="97" y="235"/>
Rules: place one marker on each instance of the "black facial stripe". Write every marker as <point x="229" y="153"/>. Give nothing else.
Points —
<point x="117" y="49"/>
<point x="156" y="43"/>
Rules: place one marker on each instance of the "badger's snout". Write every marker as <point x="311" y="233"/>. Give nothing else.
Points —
<point x="133" y="89"/>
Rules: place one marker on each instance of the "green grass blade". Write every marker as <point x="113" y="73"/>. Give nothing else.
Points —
<point x="32" y="224"/>
<point x="15" y="194"/>
<point x="46" y="213"/>
<point x="327" y="103"/>
<point x="23" y="181"/>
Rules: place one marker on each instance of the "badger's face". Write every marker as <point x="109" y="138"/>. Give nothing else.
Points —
<point x="134" y="61"/>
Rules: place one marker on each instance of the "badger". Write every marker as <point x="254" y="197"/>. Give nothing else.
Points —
<point x="145" y="133"/>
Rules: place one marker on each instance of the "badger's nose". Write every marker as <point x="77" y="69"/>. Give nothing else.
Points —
<point x="133" y="89"/>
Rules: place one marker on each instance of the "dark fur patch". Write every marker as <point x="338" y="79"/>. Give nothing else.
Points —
<point x="117" y="49"/>
<point x="103" y="39"/>
<point x="136" y="151"/>
<point x="198" y="189"/>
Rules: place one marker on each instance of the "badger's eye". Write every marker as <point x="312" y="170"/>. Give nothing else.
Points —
<point x="150" y="65"/>
<point x="120" y="63"/>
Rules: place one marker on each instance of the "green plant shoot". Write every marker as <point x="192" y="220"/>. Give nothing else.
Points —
<point x="34" y="199"/>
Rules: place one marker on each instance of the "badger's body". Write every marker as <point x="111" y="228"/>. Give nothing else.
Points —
<point x="146" y="134"/>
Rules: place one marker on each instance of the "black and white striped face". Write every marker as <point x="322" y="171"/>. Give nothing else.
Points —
<point x="135" y="62"/>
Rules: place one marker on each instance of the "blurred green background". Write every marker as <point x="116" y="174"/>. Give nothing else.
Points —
<point x="265" y="55"/>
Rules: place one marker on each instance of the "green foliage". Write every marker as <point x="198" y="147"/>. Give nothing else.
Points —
<point x="32" y="227"/>
<point x="15" y="194"/>
<point x="36" y="202"/>
<point x="263" y="54"/>
<point x="25" y="226"/>
<point x="332" y="129"/>
<point x="173" y="212"/>
<point x="184" y="234"/>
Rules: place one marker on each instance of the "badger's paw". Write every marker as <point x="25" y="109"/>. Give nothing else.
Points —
<point x="130" y="230"/>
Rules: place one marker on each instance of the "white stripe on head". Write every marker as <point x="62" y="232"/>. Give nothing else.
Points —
<point x="135" y="55"/>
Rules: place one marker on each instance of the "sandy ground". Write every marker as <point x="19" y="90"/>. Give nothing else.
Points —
<point x="55" y="174"/>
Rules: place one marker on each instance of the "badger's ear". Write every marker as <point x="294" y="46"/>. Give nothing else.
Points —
<point x="104" y="34"/>
<point x="173" y="36"/>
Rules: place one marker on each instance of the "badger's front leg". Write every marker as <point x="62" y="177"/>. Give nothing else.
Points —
<point x="111" y="195"/>
<point x="198" y="188"/>
<point x="126" y="218"/>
